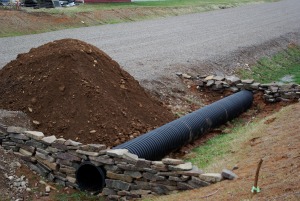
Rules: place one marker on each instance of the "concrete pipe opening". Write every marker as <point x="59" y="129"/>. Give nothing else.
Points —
<point x="90" y="177"/>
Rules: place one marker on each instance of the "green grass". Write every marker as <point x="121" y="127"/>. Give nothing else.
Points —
<point x="218" y="146"/>
<point x="274" y="68"/>
<point x="78" y="196"/>
<point x="206" y="4"/>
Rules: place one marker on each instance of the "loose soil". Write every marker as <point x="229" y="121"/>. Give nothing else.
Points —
<point x="74" y="90"/>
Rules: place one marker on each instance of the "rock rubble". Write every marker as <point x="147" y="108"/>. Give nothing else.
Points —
<point x="273" y="92"/>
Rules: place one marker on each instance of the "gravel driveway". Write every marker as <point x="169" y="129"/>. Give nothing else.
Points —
<point x="203" y="42"/>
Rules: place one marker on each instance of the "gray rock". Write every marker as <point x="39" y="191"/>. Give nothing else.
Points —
<point x="18" y="136"/>
<point x="48" y="164"/>
<point x="67" y="169"/>
<point x="117" y="152"/>
<point x="142" y="185"/>
<point x="255" y="85"/>
<point x="25" y="152"/>
<point x="72" y="143"/>
<point x="232" y="79"/>
<point x="211" y="177"/>
<point x="160" y="167"/>
<point x="59" y="146"/>
<point x="34" y="143"/>
<point x="34" y="134"/>
<point x="227" y="174"/>
<point x="150" y="170"/>
<point x="181" y="167"/>
<point x="88" y="153"/>
<point x="140" y="192"/>
<point x="129" y="156"/>
<point x="240" y="86"/>
<point x="153" y="177"/>
<point x="178" y="74"/>
<point x="102" y="159"/>
<point x="197" y="183"/>
<point x="142" y="163"/>
<point x="234" y="89"/>
<point x="41" y="156"/>
<point x="14" y="129"/>
<point x="120" y="185"/>
<point x="60" y="182"/>
<point x="71" y="179"/>
<point x="184" y="186"/>
<point x="60" y="141"/>
<point x="43" y="151"/>
<point x="170" y="161"/>
<point x="49" y="139"/>
<point x="108" y="191"/>
<point x="218" y="85"/>
<point x="121" y="177"/>
<point x="113" y="168"/>
<point x="47" y="189"/>
<point x="274" y="89"/>
<point x="210" y="83"/>
<point x="186" y="76"/>
<point x="210" y="77"/>
<point x="133" y="174"/>
<point x="51" y="177"/>
<point x="38" y="169"/>
<point x="248" y="81"/>
<point x="52" y="149"/>
<point x="68" y="157"/>
<point x="219" y="78"/>
<point x="93" y="147"/>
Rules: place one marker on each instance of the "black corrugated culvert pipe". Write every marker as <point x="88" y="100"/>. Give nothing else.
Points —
<point x="90" y="177"/>
<point x="156" y="144"/>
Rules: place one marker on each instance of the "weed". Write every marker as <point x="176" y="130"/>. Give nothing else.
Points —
<point x="77" y="196"/>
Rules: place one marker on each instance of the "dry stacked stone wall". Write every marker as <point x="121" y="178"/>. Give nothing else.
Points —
<point x="127" y="176"/>
<point x="273" y="92"/>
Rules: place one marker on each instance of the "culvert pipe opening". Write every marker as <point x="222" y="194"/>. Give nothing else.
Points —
<point x="90" y="177"/>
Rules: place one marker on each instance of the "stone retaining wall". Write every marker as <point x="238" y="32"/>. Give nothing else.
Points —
<point x="273" y="92"/>
<point x="127" y="176"/>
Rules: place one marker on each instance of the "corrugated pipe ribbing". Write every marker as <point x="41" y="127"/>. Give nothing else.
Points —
<point x="156" y="144"/>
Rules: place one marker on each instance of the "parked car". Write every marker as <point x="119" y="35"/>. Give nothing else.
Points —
<point x="39" y="3"/>
<point x="4" y="2"/>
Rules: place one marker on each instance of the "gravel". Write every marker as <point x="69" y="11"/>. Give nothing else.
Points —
<point x="214" y="41"/>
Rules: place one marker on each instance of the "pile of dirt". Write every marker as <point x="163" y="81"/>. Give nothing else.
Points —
<point x="72" y="89"/>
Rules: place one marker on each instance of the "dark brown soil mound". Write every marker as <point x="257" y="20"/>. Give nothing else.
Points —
<point x="73" y="89"/>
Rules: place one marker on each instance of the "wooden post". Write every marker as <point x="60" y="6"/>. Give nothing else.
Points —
<point x="255" y="187"/>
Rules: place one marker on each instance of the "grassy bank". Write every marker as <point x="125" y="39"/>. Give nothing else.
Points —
<point x="205" y="4"/>
<point x="282" y="67"/>
<point x="268" y="69"/>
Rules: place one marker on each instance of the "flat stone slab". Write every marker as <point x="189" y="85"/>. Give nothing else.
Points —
<point x="15" y="129"/>
<point x="49" y="139"/>
<point x="88" y="153"/>
<point x="182" y="167"/>
<point x="117" y="152"/>
<point x="72" y="143"/>
<point x="34" y="134"/>
<point x="211" y="177"/>
<point x="171" y="161"/>
<point x="227" y="174"/>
